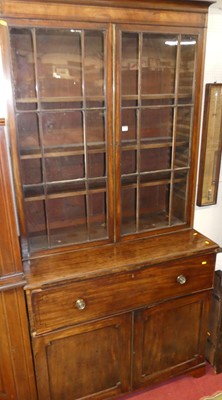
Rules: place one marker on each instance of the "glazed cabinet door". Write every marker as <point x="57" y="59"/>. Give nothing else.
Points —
<point x="87" y="361"/>
<point x="62" y="118"/>
<point x="170" y="338"/>
<point x="155" y="127"/>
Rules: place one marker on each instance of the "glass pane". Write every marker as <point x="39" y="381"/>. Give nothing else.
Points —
<point x="58" y="105"/>
<point x="158" y="64"/>
<point x="157" y="123"/>
<point x="63" y="132"/>
<point x="183" y="133"/>
<point x="179" y="197"/>
<point x="129" y="126"/>
<point x="187" y="68"/>
<point x="95" y="128"/>
<point x="130" y="53"/>
<point x="158" y="100"/>
<point x="36" y="224"/>
<point x="59" y="63"/>
<point x="96" y="165"/>
<point x="128" y="162"/>
<point x="65" y="188"/>
<point x="154" y="207"/>
<point x="128" y="202"/>
<point x="155" y="159"/>
<point x="94" y="63"/>
<point x="64" y="168"/>
<point x="28" y="134"/>
<point x="97" y="185"/>
<point x="97" y="216"/>
<point x="145" y="202"/>
<point x="67" y="220"/>
<point x="23" y="66"/>
<point x="34" y="192"/>
<point x="31" y="171"/>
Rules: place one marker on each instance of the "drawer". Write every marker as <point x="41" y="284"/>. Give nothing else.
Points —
<point x="80" y="301"/>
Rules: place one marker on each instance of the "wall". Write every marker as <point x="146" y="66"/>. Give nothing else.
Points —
<point x="208" y="220"/>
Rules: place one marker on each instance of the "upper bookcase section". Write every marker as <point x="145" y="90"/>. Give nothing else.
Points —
<point x="103" y="117"/>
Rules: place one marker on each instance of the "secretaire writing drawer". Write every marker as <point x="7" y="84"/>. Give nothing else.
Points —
<point x="79" y="301"/>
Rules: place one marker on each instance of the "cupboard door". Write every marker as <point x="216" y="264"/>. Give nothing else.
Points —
<point x="63" y="125"/>
<point x="156" y="77"/>
<point x="170" y="338"/>
<point x="91" y="360"/>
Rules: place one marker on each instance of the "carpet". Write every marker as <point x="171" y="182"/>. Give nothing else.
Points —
<point x="207" y="387"/>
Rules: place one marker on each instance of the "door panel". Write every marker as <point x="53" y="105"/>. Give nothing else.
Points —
<point x="169" y="338"/>
<point x="89" y="360"/>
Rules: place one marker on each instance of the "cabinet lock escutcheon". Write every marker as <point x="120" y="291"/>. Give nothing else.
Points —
<point x="181" y="279"/>
<point x="80" y="304"/>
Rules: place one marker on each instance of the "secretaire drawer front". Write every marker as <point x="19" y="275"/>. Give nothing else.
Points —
<point x="80" y="301"/>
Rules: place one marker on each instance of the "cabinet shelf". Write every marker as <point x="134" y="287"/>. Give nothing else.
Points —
<point x="61" y="237"/>
<point x="65" y="99"/>
<point x="150" y="221"/>
<point x="156" y="96"/>
<point x="146" y="143"/>
<point x="57" y="190"/>
<point x="130" y="182"/>
<point x="62" y="151"/>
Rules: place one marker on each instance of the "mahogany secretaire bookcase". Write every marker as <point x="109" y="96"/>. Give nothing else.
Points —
<point x="103" y="114"/>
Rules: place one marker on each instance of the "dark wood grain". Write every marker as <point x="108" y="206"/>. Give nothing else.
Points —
<point x="139" y="323"/>
<point x="101" y="365"/>
<point x="16" y="368"/>
<point x="156" y="349"/>
<point x="55" y="307"/>
<point x="116" y="258"/>
<point x="10" y="260"/>
<point x="185" y="12"/>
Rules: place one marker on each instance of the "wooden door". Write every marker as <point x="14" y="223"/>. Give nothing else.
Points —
<point x="88" y="361"/>
<point x="64" y="135"/>
<point x="170" y="338"/>
<point x="155" y="116"/>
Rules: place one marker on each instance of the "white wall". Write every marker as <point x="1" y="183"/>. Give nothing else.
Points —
<point x="208" y="220"/>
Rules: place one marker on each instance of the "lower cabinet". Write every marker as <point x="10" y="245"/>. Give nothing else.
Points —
<point x="111" y="356"/>
<point x="100" y="333"/>
<point x="169" y="338"/>
<point x="87" y="360"/>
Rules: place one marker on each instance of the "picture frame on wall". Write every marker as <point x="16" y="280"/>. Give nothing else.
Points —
<point x="211" y="146"/>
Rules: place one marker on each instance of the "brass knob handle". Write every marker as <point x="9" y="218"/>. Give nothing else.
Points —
<point x="80" y="304"/>
<point x="181" y="279"/>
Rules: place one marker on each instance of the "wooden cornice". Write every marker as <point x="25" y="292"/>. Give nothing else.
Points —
<point x="17" y="7"/>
